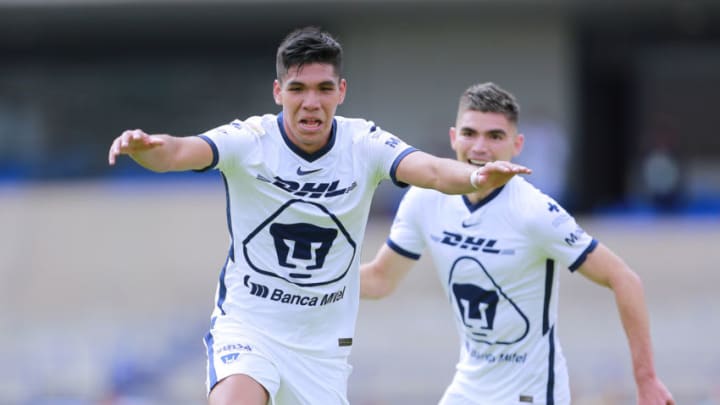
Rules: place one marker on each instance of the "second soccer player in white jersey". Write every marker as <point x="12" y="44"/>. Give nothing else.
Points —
<point x="299" y="186"/>
<point x="497" y="253"/>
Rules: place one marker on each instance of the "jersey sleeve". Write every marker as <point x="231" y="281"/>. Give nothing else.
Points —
<point x="385" y="152"/>
<point x="232" y="143"/>
<point x="405" y="234"/>
<point x="556" y="232"/>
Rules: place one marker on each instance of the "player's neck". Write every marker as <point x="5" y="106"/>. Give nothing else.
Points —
<point x="478" y="196"/>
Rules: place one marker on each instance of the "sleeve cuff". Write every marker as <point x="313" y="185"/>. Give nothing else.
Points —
<point x="583" y="256"/>
<point x="214" y="152"/>
<point x="402" y="252"/>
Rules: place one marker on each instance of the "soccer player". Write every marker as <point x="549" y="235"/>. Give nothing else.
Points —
<point x="299" y="186"/>
<point x="496" y="251"/>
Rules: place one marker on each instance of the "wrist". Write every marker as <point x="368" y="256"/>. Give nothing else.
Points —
<point x="644" y="375"/>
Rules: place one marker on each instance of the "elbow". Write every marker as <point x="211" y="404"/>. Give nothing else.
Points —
<point x="382" y="291"/>
<point x="376" y="290"/>
<point x="629" y="281"/>
<point x="370" y="297"/>
<point x="635" y="279"/>
<point x="374" y="285"/>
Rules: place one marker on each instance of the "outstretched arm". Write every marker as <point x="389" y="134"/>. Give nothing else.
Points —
<point x="162" y="153"/>
<point x="605" y="268"/>
<point x="453" y="177"/>
<point x="380" y="277"/>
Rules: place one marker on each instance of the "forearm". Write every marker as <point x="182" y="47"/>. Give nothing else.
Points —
<point x="158" y="159"/>
<point x="467" y="179"/>
<point x="373" y="286"/>
<point x="454" y="177"/>
<point x="450" y="177"/>
<point x="607" y="269"/>
<point x="630" y="299"/>
<point x="381" y="276"/>
<point x="445" y="175"/>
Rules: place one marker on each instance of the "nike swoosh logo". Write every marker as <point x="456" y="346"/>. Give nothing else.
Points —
<point x="468" y="225"/>
<point x="302" y="172"/>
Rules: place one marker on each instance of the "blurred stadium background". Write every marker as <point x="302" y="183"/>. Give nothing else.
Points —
<point x="107" y="275"/>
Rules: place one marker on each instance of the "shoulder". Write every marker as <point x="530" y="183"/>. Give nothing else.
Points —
<point x="414" y="205"/>
<point x="370" y="137"/>
<point x="423" y="197"/>
<point x="255" y="126"/>
<point x="428" y="194"/>
<point x="241" y="141"/>
<point x="354" y="124"/>
<point x="258" y="125"/>
<point x="525" y="196"/>
<point x="359" y="129"/>
<point x="537" y="211"/>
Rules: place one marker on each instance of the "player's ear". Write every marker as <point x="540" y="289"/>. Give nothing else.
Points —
<point x="452" y="133"/>
<point x="518" y="144"/>
<point x="342" y="87"/>
<point x="277" y="92"/>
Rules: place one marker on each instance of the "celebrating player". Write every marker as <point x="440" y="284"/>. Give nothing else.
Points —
<point x="299" y="186"/>
<point x="496" y="251"/>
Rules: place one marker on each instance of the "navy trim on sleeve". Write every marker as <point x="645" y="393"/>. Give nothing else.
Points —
<point x="214" y="152"/>
<point x="402" y="252"/>
<point x="580" y="260"/>
<point x="395" y="164"/>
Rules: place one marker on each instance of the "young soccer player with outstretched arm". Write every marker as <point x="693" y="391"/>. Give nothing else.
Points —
<point x="299" y="186"/>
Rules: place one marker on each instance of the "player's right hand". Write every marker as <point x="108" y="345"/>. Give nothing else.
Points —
<point x="131" y="141"/>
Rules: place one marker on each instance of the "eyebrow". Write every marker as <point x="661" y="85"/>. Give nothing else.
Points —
<point x="323" y="83"/>
<point x="495" y="131"/>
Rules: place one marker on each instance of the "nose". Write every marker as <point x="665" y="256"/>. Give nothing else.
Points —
<point x="311" y="100"/>
<point x="479" y="145"/>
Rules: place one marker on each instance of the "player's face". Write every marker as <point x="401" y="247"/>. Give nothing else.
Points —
<point x="309" y="97"/>
<point x="480" y="137"/>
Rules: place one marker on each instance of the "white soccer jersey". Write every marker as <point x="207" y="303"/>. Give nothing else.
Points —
<point x="296" y="222"/>
<point x="496" y="260"/>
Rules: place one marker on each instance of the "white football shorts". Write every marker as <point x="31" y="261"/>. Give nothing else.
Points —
<point x="288" y="376"/>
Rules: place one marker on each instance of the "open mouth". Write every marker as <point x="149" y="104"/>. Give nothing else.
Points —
<point x="310" y="124"/>
<point x="479" y="163"/>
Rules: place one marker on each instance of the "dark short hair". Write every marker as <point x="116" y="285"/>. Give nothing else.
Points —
<point x="488" y="97"/>
<point x="308" y="45"/>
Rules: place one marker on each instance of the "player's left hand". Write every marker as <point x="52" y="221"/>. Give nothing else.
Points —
<point x="654" y="392"/>
<point x="495" y="174"/>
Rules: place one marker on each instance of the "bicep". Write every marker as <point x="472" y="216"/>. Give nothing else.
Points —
<point x="604" y="267"/>
<point x="424" y="170"/>
<point x="418" y="169"/>
<point x="382" y="275"/>
<point x="394" y="265"/>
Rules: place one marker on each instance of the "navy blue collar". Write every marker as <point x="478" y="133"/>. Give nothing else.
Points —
<point x="310" y="157"/>
<point x="473" y="207"/>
